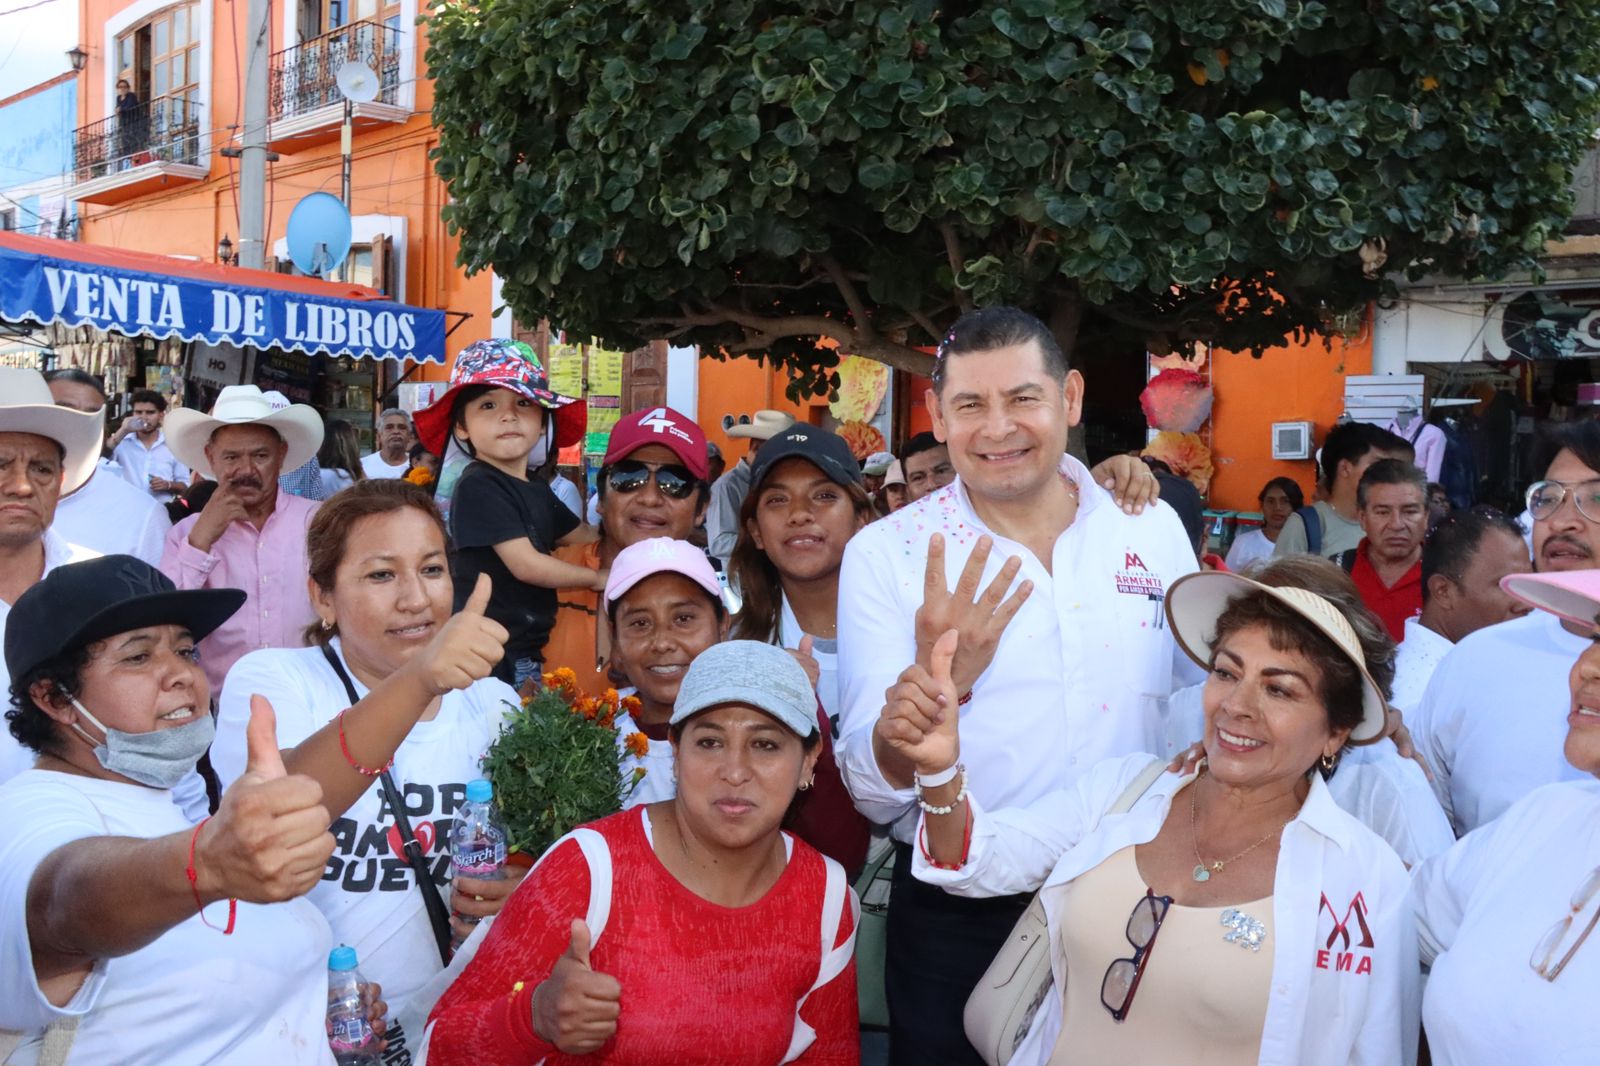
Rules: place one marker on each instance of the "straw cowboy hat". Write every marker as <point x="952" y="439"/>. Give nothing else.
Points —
<point x="763" y="425"/>
<point x="188" y="431"/>
<point x="1195" y="602"/>
<point x="26" y="406"/>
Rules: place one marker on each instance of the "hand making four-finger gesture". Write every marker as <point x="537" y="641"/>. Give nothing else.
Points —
<point x="980" y="619"/>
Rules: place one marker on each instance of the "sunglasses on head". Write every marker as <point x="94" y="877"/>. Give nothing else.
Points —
<point x="631" y="475"/>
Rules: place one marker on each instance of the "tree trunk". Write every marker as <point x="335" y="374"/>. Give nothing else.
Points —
<point x="1065" y="317"/>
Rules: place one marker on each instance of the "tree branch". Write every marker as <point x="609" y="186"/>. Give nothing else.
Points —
<point x="952" y="251"/>
<point x="763" y="331"/>
<point x="852" y="298"/>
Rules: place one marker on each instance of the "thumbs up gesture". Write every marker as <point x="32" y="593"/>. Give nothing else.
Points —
<point x="465" y="649"/>
<point x="269" y="840"/>
<point x="919" y="717"/>
<point x="576" y="1008"/>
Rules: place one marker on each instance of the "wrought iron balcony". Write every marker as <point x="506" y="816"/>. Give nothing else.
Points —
<point x="304" y="77"/>
<point x="164" y="130"/>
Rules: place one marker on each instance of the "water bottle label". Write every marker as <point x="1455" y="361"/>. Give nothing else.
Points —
<point x="349" y="1032"/>
<point x="485" y="858"/>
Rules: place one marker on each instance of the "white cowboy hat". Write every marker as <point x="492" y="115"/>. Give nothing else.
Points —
<point x="188" y="431"/>
<point x="1195" y="602"/>
<point x="26" y="406"/>
<point x="763" y="425"/>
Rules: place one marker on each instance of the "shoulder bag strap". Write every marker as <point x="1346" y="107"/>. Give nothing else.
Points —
<point x="438" y="917"/>
<point x="1138" y="787"/>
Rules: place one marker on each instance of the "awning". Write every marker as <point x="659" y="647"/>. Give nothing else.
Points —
<point x="44" y="280"/>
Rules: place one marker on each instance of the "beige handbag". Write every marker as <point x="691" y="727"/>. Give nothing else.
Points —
<point x="1002" y="1006"/>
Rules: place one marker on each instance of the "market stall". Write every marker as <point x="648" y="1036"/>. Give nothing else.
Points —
<point x="188" y="328"/>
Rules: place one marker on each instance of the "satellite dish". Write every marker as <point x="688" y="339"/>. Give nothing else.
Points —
<point x="319" y="234"/>
<point x="357" y="82"/>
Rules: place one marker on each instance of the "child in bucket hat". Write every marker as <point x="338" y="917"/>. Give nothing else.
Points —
<point x="500" y="409"/>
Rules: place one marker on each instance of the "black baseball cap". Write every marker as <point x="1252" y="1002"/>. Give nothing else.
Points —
<point x="80" y="603"/>
<point x="826" y="451"/>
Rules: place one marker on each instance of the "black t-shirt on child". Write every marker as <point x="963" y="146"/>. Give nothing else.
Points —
<point x="491" y="507"/>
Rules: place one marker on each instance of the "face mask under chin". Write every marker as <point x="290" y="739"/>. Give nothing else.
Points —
<point x="157" y="759"/>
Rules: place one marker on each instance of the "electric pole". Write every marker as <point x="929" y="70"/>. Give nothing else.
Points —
<point x="253" y="138"/>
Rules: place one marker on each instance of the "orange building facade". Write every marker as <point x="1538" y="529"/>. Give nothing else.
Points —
<point x="154" y="173"/>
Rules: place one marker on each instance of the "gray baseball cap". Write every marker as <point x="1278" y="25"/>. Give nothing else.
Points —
<point x="758" y="675"/>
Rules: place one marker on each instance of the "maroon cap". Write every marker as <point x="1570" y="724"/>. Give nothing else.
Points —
<point x="664" y="426"/>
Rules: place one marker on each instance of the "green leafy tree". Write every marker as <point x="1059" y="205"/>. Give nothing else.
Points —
<point x="751" y="176"/>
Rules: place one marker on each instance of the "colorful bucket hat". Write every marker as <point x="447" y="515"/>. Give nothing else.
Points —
<point x="505" y="364"/>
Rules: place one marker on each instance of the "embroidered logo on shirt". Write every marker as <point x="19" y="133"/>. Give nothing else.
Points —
<point x="1351" y="955"/>
<point x="1136" y="579"/>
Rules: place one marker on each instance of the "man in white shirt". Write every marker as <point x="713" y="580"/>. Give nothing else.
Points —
<point x="1463" y="560"/>
<point x="1349" y="449"/>
<point x="1493" y="718"/>
<point x="1071" y="668"/>
<point x="44" y="450"/>
<point x="105" y="513"/>
<point x="395" y="435"/>
<point x="140" y="449"/>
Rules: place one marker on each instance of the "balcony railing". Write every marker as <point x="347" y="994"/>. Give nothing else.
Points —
<point x="304" y="77"/>
<point x="165" y="130"/>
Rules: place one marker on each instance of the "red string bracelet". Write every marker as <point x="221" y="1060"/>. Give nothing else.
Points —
<point x="194" y="885"/>
<point x="351" y="759"/>
<point x="966" y="845"/>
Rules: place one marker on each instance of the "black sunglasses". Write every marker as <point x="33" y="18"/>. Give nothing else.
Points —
<point x="631" y="475"/>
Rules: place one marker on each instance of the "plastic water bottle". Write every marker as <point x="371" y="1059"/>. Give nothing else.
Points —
<point x="349" y="1033"/>
<point x="477" y="839"/>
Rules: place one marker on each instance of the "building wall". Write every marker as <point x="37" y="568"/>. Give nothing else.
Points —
<point x="38" y="125"/>
<point x="1294" y="382"/>
<point x="391" y="173"/>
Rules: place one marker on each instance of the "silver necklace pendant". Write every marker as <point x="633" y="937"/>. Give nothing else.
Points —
<point x="1201" y="873"/>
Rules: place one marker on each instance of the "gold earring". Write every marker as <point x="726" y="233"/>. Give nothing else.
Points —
<point x="327" y="624"/>
<point x="806" y="784"/>
<point x="1328" y="762"/>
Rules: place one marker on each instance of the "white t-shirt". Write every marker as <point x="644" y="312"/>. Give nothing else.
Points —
<point x="375" y="465"/>
<point x="111" y="517"/>
<point x="1248" y="547"/>
<point x="1494" y="718"/>
<point x="256" y="998"/>
<point x="334" y="480"/>
<point x="1384" y="792"/>
<point x="1482" y="909"/>
<point x="1418" y="656"/>
<point x="568" y="494"/>
<point x="658" y="783"/>
<point x="826" y="652"/>
<point x="14" y="758"/>
<point x="368" y="892"/>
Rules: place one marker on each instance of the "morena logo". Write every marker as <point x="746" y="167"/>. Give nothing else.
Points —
<point x="1351" y="956"/>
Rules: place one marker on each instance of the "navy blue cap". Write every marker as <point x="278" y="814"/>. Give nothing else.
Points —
<point x="80" y="603"/>
<point x="826" y="451"/>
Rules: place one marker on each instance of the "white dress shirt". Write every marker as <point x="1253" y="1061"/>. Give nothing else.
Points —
<point x="139" y="464"/>
<point x="1482" y="909"/>
<point x="14" y="758"/>
<point x="1337" y="1000"/>
<point x="112" y="517"/>
<point x="1385" y="792"/>
<point x="722" y="513"/>
<point x="1494" y="718"/>
<point x="1080" y="675"/>
<point x="1418" y="656"/>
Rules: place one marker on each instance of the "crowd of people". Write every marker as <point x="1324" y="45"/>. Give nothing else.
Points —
<point x="1343" y="778"/>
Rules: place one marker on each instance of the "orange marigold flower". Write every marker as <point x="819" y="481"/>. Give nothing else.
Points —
<point x="637" y="745"/>
<point x="607" y="720"/>
<point x="420" y="475"/>
<point x="631" y="705"/>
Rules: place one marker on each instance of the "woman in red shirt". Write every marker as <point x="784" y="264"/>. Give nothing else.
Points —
<point x="708" y="947"/>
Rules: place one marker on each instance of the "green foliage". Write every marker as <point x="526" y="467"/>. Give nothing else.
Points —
<point x="752" y="175"/>
<point x="553" y="769"/>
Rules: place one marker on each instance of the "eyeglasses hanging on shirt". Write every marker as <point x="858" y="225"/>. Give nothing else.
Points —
<point x="1122" y="977"/>
<point x="1553" y="952"/>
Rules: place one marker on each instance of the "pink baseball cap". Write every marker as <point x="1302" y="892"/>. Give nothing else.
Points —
<point x="660" y="555"/>
<point x="661" y="425"/>
<point x="1573" y="595"/>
